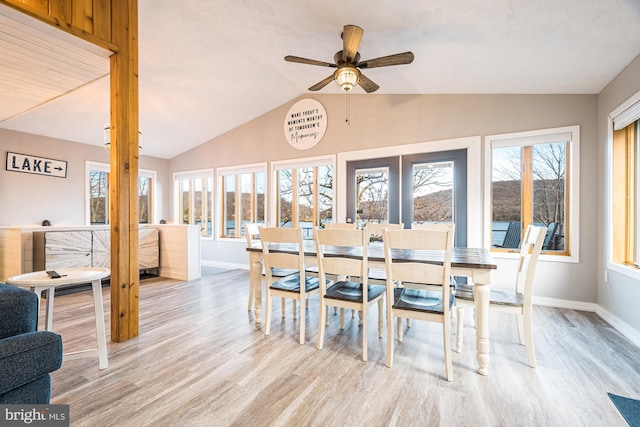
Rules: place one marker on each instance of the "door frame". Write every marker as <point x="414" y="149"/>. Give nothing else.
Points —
<point x="473" y="144"/>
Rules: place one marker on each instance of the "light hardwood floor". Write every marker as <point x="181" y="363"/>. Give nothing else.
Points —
<point x="200" y="361"/>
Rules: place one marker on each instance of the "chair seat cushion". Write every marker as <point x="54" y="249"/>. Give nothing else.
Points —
<point x="498" y="296"/>
<point x="291" y="283"/>
<point x="419" y="300"/>
<point x="352" y="291"/>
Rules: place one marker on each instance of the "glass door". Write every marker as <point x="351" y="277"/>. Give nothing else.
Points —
<point x="373" y="191"/>
<point x="435" y="190"/>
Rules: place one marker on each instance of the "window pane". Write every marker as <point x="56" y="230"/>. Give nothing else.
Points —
<point x="306" y="195"/>
<point x="98" y="192"/>
<point x="229" y="183"/>
<point x="506" y="193"/>
<point x="144" y="199"/>
<point x="198" y="203"/>
<point x="433" y="192"/>
<point x="185" y="189"/>
<point x="260" y="191"/>
<point x="246" y="199"/>
<point x="325" y="198"/>
<point x="372" y="188"/>
<point x="208" y="207"/>
<point x="549" y="204"/>
<point x="285" y="198"/>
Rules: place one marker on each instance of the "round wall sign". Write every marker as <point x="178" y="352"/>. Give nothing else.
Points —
<point x="305" y="124"/>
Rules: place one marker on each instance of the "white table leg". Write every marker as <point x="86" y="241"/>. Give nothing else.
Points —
<point x="255" y="278"/>
<point x="49" y="315"/>
<point x="38" y="292"/>
<point x="481" y="295"/>
<point x="101" y="334"/>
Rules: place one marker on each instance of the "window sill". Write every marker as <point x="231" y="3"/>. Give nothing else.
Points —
<point x="543" y="257"/>
<point x="624" y="269"/>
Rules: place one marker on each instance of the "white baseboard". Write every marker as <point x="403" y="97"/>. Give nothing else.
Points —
<point x="227" y="265"/>
<point x="563" y="303"/>
<point x="619" y="325"/>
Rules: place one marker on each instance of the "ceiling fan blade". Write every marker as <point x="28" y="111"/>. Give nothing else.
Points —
<point x="290" y="58"/>
<point x="367" y="84"/>
<point x="385" y="61"/>
<point x="351" y="36"/>
<point x="321" y="84"/>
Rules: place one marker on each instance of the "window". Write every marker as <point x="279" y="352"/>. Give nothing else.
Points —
<point x="304" y="194"/>
<point x="531" y="183"/>
<point x="243" y="198"/>
<point x="98" y="191"/>
<point x="194" y="199"/>
<point x="625" y="189"/>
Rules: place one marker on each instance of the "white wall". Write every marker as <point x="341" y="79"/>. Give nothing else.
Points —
<point x="391" y="120"/>
<point x="619" y="296"/>
<point x="28" y="199"/>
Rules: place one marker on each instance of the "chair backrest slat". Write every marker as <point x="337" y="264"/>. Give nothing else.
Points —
<point x="531" y="247"/>
<point x="347" y="240"/>
<point x="435" y="237"/>
<point x="273" y="259"/>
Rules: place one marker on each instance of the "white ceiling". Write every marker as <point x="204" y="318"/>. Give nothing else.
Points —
<point x="208" y="67"/>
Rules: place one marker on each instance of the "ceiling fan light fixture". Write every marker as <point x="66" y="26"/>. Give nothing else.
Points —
<point x="347" y="78"/>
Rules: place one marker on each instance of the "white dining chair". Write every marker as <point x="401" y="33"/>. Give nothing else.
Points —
<point x="297" y="286"/>
<point x="347" y="292"/>
<point x="515" y="301"/>
<point x="252" y="235"/>
<point x="410" y="293"/>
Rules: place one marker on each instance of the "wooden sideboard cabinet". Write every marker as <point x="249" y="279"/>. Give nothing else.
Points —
<point x="171" y="248"/>
<point x="88" y="248"/>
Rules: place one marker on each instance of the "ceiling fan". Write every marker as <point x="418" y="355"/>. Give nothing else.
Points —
<point x="347" y="61"/>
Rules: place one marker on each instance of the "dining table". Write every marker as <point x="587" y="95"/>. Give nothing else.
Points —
<point x="476" y="264"/>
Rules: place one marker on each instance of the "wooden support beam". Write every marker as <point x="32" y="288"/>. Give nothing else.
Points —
<point x="123" y="179"/>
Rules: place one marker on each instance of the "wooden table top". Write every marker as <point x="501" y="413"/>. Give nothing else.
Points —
<point x="479" y="258"/>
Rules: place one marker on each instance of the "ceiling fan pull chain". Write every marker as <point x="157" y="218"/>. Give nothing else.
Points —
<point x="348" y="110"/>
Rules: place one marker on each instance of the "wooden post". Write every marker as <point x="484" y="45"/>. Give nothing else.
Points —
<point x="123" y="179"/>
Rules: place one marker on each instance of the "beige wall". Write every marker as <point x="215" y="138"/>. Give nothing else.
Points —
<point x="619" y="296"/>
<point x="388" y="120"/>
<point x="28" y="199"/>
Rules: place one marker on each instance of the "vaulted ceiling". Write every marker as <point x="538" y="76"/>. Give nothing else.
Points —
<point x="208" y="67"/>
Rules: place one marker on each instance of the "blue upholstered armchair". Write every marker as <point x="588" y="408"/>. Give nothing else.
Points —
<point x="27" y="356"/>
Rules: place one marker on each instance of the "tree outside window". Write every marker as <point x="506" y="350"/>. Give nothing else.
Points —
<point x="98" y="187"/>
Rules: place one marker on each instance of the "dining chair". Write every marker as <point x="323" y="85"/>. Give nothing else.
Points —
<point x="516" y="301"/>
<point x="297" y="286"/>
<point x="346" y="293"/>
<point x="410" y="284"/>
<point x="252" y="234"/>
<point x="378" y="276"/>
